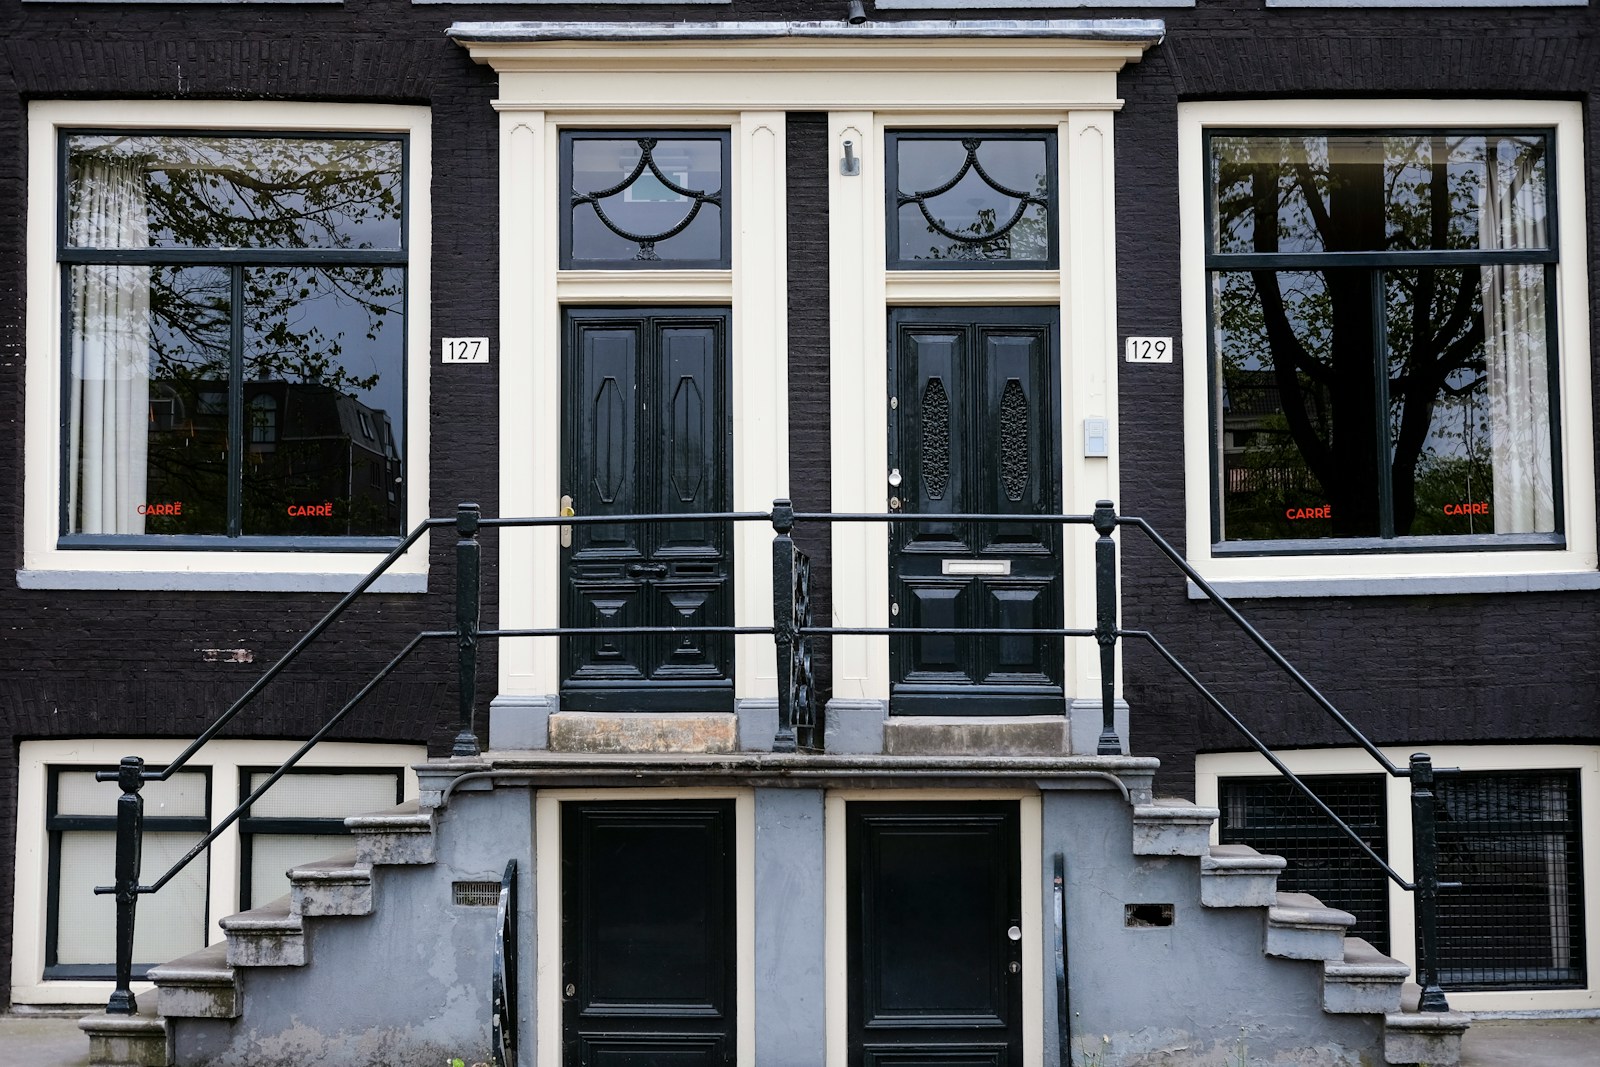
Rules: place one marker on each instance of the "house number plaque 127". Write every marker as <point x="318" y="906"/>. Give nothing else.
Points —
<point x="464" y="350"/>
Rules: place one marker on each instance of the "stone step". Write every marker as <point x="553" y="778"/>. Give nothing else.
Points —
<point x="1425" y="1037"/>
<point x="1172" y="828"/>
<point x="403" y="834"/>
<point x="942" y="735"/>
<point x="200" y="985"/>
<point x="1365" y="981"/>
<point x="1300" y="927"/>
<point x="140" y="1040"/>
<point x="1237" y="876"/>
<point x="338" y="885"/>
<point x="268" y="936"/>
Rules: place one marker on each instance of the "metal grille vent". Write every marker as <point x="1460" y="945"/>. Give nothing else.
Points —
<point x="1271" y="815"/>
<point x="1513" y="842"/>
<point x="475" y="894"/>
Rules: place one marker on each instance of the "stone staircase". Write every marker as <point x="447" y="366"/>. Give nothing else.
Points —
<point x="285" y="965"/>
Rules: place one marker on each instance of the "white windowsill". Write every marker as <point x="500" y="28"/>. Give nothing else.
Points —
<point x="1409" y="585"/>
<point x="216" y="581"/>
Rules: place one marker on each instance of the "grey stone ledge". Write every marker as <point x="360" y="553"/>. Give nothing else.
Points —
<point x="542" y="768"/>
<point x="1362" y="962"/>
<point x="1133" y="30"/>
<point x="1240" y="859"/>
<point x="208" y="966"/>
<point x="274" y="918"/>
<point x="1304" y="911"/>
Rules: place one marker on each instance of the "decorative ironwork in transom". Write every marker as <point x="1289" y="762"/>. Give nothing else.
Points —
<point x="644" y="199"/>
<point x="964" y="200"/>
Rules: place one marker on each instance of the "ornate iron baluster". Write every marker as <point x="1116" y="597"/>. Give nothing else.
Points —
<point x="1105" y="623"/>
<point x="467" y="609"/>
<point x="1425" y="873"/>
<point x="130" y="844"/>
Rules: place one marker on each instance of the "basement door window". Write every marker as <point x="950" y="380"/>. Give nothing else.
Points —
<point x="233" y="321"/>
<point x="971" y="200"/>
<point x="81" y="823"/>
<point x="1514" y="843"/>
<point x="301" y="819"/>
<point x="645" y="199"/>
<point x="1383" y="357"/>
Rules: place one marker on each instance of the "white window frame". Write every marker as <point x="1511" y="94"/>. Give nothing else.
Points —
<point x="224" y="760"/>
<point x="45" y="564"/>
<point x="1357" y="572"/>
<point x="1209" y="767"/>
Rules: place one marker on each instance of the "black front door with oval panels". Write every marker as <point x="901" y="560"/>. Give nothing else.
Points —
<point x="646" y="431"/>
<point x="972" y="429"/>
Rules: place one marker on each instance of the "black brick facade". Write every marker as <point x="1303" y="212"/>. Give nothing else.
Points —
<point x="1411" y="670"/>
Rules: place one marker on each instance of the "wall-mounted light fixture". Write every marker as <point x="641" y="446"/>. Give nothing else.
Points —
<point x="850" y="165"/>
<point x="858" y="14"/>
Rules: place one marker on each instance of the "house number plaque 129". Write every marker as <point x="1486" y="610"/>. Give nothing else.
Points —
<point x="1148" y="350"/>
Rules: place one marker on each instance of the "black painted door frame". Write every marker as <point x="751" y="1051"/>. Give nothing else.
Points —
<point x="934" y="933"/>
<point x="974" y="413"/>
<point x="647" y="429"/>
<point x="648" y="942"/>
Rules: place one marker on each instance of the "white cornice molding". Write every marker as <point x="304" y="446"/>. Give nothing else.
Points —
<point x="1102" y="45"/>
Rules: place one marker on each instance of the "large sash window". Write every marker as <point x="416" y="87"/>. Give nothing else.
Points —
<point x="233" y="338"/>
<point x="1382" y="343"/>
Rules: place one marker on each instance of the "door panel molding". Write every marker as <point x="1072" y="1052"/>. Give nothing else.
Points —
<point x="927" y="872"/>
<point x="647" y="429"/>
<point x="649" y="935"/>
<point x="973" y="424"/>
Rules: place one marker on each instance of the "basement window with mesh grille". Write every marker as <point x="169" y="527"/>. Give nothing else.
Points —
<point x="1271" y="815"/>
<point x="1514" y="843"/>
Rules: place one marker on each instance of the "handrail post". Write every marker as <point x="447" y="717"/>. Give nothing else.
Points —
<point x="783" y="613"/>
<point x="130" y="840"/>
<point x="1105" y="623"/>
<point x="1425" y="844"/>
<point x="467" y="609"/>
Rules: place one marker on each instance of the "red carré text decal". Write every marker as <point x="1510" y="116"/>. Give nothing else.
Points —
<point x="311" y="510"/>
<point x="1481" y="508"/>
<point x="174" y="508"/>
<point x="1323" y="512"/>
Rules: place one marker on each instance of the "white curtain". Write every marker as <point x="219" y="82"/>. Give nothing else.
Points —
<point x="1512" y="216"/>
<point x="108" y="327"/>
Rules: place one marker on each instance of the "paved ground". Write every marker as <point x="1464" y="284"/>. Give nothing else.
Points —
<point x="55" y="1041"/>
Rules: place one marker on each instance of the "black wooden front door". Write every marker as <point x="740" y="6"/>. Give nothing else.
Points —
<point x="934" y="929"/>
<point x="972" y="429"/>
<point x="646" y="431"/>
<point x="647" y="939"/>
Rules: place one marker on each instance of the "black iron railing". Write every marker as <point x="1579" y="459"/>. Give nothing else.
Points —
<point x="799" y="724"/>
<point x="503" y="975"/>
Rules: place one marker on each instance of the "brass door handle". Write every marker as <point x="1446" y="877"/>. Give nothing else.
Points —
<point x="566" y="531"/>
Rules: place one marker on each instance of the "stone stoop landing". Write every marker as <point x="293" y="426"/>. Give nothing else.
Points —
<point x="643" y="732"/>
<point x="934" y="735"/>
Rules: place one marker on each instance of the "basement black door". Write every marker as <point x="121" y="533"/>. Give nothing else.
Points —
<point x="972" y="429"/>
<point x="934" y="931"/>
<point x="647" y="432"/>
<point x="647" y="940"/>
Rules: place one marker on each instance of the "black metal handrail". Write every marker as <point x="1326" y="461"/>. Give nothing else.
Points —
<point x="503" y="974"/>
<point x="799" y="725"/>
